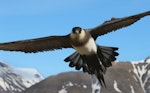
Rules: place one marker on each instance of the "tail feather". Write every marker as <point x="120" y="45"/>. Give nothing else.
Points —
<point x="109" y="50"/>
<point x="71" y="57"/>
<point x="85" y="68"/>
<point x="94" y="64"/>
<point x="100" y="77"/>
<point x="96" y="67"/>
<point x="75" y="60"/>
<point x="79" y="64"/>
<point x="107" y="55"/>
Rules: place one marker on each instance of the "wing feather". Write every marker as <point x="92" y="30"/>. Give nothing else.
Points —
<point x="116" y="23"/>
<point x="37" y="45"/>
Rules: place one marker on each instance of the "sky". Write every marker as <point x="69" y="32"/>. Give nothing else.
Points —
<point x="28" y="19"/>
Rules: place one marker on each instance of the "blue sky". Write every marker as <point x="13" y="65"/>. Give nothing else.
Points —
<point x="27" y="19"/>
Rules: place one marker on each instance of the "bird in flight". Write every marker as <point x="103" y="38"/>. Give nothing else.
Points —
<point x="89" y="56"/>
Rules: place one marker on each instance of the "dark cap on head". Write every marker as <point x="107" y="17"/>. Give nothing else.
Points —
<point x="76" y="30"/>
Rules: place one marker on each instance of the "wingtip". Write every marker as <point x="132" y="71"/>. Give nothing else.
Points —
<point x="140" y="15"/>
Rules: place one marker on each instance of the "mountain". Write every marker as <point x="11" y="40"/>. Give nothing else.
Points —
<point x="15" y="80"/>
<point x="122" y="77"/>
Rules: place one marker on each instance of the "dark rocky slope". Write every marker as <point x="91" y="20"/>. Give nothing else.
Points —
<point x="122" y="77"/>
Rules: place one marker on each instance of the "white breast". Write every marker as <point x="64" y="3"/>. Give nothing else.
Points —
<point x="87" y="49"/>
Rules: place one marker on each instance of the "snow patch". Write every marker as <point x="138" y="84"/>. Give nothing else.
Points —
<point x="96" y="87"/>
<point x="17" y="79"/>
<point x="147" y="60"/>
<point x="62" y="91"/>
<point x="70" y="84"/>
<point x="116" y="87"/>
<point x="3" y="84"/>
<point x="84" y="86"/>
<point x="31" y="76"/>
<point x="139" y="72"/>
<point x="132" y="89"/>
<point x="135" y="78"/>
<point x="139" y="61"/>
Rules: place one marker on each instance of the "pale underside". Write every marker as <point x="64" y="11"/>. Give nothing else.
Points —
<point x="88" y="49"/>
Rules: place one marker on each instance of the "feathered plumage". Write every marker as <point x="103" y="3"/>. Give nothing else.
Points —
<point x="89" y="56"/>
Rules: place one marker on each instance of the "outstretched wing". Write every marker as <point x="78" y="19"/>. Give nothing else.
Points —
<point x="115" y="23"/>
<point x="37" y="45"/>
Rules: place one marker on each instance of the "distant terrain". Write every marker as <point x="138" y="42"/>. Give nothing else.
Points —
<point x="122" y="77"/>
<point x="15" y="80"/>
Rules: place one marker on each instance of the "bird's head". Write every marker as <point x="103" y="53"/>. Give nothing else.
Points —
<point x="77" y="33"/>
<point x="76" y="30"/>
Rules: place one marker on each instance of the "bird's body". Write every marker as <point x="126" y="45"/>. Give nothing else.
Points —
<point x="82" y="42"/>
<point x="89" y="56"/>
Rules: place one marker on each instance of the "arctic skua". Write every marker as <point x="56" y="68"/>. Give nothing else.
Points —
<point x="89" y="56"/>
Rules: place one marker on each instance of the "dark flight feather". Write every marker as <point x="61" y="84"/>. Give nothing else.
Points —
<point x="115" y="23"/>
<point x="37" y="45"/>
<point x="59" y="42"/>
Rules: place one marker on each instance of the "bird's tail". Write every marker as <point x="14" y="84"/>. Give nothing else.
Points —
<point x="107" y="55"/>
<point x="75" y="60"/>
<point x="94" y="64"/>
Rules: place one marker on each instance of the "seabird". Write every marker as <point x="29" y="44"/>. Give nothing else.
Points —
<point x="89" y="56"/>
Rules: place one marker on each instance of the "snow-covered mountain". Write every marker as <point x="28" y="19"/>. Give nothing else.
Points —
<point x="15" y="80"/>
<point x="122" y="77"/>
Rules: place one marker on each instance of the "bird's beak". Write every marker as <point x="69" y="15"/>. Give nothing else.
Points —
<point x="77" y="32"/>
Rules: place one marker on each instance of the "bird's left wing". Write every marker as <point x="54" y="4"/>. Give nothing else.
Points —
<point x="37" y="45"/>
<point x="115" y="23"/>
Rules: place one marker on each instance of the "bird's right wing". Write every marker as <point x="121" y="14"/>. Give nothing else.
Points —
<point x="37" y="45"/>
<point x="116" y="23"/>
